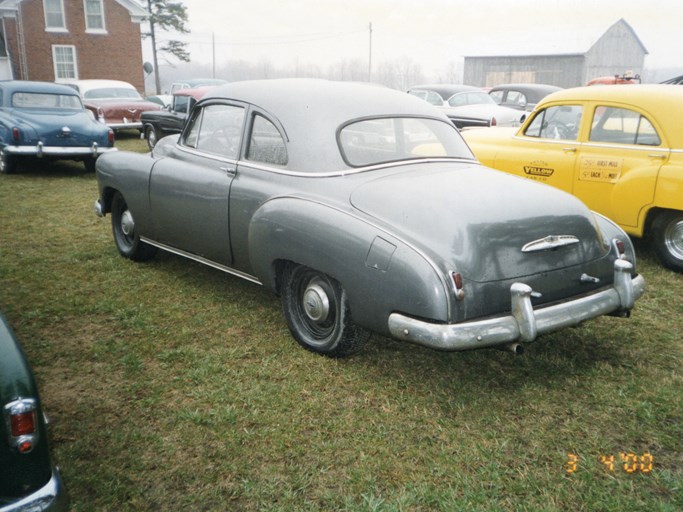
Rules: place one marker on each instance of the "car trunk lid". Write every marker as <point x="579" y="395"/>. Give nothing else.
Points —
<point x="487" y="225"/>
<point x="70" y="128"/>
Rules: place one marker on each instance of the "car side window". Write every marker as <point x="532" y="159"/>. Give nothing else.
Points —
<point x="516" y="98"/>
<point x="561" y="122"/>
<point x="497" y="96"/>
<point x="266" y="143"/>
<point x="180" y="103"/>
<point x="622" y="126"/>
<point x="217" y="130"/>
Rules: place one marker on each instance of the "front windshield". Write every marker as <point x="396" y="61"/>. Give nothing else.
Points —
<point x="470" y="98"/>
<point x="382" y="140"/>
<point x="46" y="100"/>
<point x="108" y="93"/>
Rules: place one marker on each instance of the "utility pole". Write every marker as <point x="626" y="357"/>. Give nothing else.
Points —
<point x="213" y="49"/>
<point x="370" y="53"/>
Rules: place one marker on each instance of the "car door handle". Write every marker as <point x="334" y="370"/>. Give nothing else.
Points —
<point x="657" y="155"/>
<point x="569" y="150"/>
<point x="228" y="169"/>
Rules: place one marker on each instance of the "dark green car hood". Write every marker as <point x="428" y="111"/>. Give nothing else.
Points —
<point x="476" y="221"/>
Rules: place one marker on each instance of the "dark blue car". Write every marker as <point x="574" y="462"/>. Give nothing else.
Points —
<point x="47" y="120"/>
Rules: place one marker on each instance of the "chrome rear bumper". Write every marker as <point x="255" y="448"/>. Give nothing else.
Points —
<point x="524" y="323"/>
<point x="49" y="498"/>
<point x="40" y="150"/>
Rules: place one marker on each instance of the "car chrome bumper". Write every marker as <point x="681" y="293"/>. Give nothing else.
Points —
<point x="133" y="125"/>
<point x="40" y="150"/>
<point x="524" y="323"/>
<point x="49" y="498"/>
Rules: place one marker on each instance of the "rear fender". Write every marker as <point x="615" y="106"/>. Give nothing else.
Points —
<point x="380" y="273"/>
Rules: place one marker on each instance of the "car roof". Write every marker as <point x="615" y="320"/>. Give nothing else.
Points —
<point x="196" y="92"/>
<point x="12" y="86"/>
<point x="198" y="82"/>
<point x="445" y="90"/>
<point x="663" y="102"/>
<point x="90" y="84"/>
<point x="311" y="111"/>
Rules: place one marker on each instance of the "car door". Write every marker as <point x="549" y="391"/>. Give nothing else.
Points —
<point x="546" y="151"/>
<point x="190" y="188"/>
<point x="174" y="121"/>
<point x="617" y="167"/>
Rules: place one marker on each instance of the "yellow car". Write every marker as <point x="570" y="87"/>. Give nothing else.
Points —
<point x="618" y="149"/>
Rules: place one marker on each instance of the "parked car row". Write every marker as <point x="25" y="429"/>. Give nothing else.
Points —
<point x="467" y="106"/>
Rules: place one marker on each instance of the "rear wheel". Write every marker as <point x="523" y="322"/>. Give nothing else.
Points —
<point x="126" y="238"/>
<point x="317" y="313"/>
<point x="667" y="239"/>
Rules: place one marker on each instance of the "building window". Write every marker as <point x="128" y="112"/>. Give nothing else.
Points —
<point x="54" y="15"/>
<point x="94" y="15"/>
<point x="64" y="58"/>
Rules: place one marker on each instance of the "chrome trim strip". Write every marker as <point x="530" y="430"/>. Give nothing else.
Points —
<point x="201" y="259"/>
<point x="550" y="242"/>
<point x="524" y="323"/>
<point x="123" y="126"/>
<point x="343" y="172"/>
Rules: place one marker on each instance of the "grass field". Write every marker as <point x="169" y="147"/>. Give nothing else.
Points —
<point x="172" y="386"/>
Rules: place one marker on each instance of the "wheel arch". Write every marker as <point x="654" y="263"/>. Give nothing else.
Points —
<point x="379" y="272"/>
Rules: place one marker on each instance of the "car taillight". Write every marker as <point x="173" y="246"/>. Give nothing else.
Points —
<point x="457" y="281"/>
<point x="494" y="122"/>
<point x="16" y="134"/>
<point x="22" y="424"/>
<point x="111" y="137"/>
<point x="621" y="247"/>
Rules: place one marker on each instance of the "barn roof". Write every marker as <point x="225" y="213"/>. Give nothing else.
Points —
<point x="552" y="43"/>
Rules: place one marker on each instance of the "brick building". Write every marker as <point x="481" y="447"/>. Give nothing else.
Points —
<point x="54" y="40"/>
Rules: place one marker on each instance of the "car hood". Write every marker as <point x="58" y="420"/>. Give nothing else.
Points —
<point x="476" y="221"/>
<point x="60" y="128"/>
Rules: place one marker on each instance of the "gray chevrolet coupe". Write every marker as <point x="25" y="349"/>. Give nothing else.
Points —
<point x="365" y="211"/>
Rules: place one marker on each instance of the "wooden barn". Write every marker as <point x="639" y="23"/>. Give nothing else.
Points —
<point x="617" y="51"/>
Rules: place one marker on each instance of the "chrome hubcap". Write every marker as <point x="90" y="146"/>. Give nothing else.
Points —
<point x="127" y="223"/>
<point x="316" y="303"/>
<point x="673" y="238"/>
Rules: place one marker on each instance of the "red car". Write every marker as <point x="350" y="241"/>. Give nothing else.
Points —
<point x="114" y="103"/>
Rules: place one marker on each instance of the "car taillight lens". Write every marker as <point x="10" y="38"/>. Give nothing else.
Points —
<point x="111" y="137"/>
<point x="22" y="424"/>
<point x="457" y="281"/>
<point x="621" y="247"/>
<point x="494" y="122"/>
<point x="16" y="134"/>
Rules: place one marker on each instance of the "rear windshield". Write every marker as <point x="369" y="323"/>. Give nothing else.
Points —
<point x="382" y="140"/>
<point x="46" y="100"/>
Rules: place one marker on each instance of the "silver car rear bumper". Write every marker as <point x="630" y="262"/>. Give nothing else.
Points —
<point x="524" y="323"/>
<point x="58" y="151"/>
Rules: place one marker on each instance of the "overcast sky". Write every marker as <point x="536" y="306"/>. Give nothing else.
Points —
<point x="430" y="32"/>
